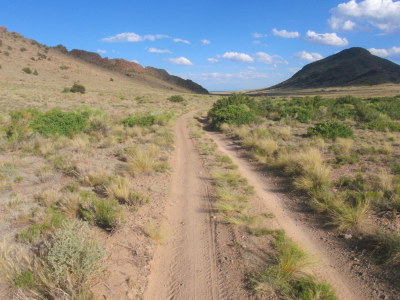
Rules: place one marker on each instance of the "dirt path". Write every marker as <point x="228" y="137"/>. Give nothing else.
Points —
<point x="185" y="267"/>
<point x="327" y="268"/>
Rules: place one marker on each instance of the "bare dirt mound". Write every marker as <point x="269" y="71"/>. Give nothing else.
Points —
<point x="187" y="265"/>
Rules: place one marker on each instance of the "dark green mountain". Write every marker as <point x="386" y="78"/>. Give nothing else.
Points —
<point x="351" y="67"/>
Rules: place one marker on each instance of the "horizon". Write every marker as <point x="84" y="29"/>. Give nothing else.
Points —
<point x="225" y="46"/>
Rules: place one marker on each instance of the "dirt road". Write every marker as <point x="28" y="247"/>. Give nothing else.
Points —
<point x="185" y="267"/>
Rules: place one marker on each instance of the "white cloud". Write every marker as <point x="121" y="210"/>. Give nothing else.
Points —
<point x="212" y="60"/>
<point x="266" y="58"/>
<point x="257" y="35"/>
<point x="239" y="57"/>
<point x="285" y="34"/>
<point x="101" y="51"/>
<point x="155" y="50"/>
<point x="176" y="40"/>
<point x="260" y="57"/>
<point x="390" y="52"/>
<point x="135" y="61"/>
<point x="257" y="42"/>
<point x="205" y="42"/>
<point x="326" y="39"/>
<point x="247" y="74"/>
<point x="180" y="61"/>
<point x="310" y="56"/>
<point x="133" y="37"/>
<point x="340" y="24"/>
<point x="382" y="14"/>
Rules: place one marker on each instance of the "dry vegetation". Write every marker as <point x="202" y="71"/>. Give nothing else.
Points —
<point x="78" y="165"/>
<point x="343" y="154"/>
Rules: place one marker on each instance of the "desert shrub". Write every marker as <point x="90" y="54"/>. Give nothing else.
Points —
<point x="27" y="70"/>
<point x="22" y="49"/>
<point x="139" y="120"/>
<point x="35" y="73"/>
<point x="78" y="88"/>
<point x="232" y="114"/>
<point x="383" y="125"/>
<point x="64" y="268"/>
<point x="176" y="98"/>
<point x="57" y="122"/>
<point x="330" y="129"/>
<point x="63" y="67"/>
<point x="236" y="109"/>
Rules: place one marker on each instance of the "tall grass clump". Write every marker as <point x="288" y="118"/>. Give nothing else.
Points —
<point x="105" y="213"/>
<point x="287" y="276"/>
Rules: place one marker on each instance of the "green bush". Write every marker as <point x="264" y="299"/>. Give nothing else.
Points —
<point x="176" y="98"/>
<point x="78" y="88"/>
<point x="330" y="129"/>
<point x="236" y="109"/>
<point x="57" y="122"/>
<point x="143" y="121"/>
<point x="27" y="70"/>
<point x="233" y="114"/>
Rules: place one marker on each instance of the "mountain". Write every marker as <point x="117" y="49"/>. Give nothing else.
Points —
<point x="351" y="67"/>
<point x="131" y="69"/>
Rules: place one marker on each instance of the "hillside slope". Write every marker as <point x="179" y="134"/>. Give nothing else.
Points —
<point x="351" y="67"/>
<point x="52" y="71"/>
<point x="133" y="69"/>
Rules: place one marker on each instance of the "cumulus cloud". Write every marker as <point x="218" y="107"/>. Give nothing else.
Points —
<point x="390" y="52"/>
<point x="238" y="57"/>
<point x="260" y="57"/>
<point x="133" y="37"/>
<point x="257" y="35"/>
<point x="247" y="74"/>
<point x="212" y="60"/>
<point x="205" y="42"/>
<point x="382" y="14"/>
<point x="309" y="56"/>
<point x="101" y="51"/>
<point x="180" y="61"/>
<point x="331" y="39"/>
<point x="176" y="40"/>
<point x="285" y="34"/>
<point x="155" y="50"/>
<point x="266" y="58"/>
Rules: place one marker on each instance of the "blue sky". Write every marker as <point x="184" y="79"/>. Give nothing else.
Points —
<point x="223" y="45"/>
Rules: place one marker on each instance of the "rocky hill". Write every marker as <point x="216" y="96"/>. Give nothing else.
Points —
<point x="351" y="67"/>
<point x="131" y="68"/>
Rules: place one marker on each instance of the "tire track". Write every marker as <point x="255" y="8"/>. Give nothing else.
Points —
<point x="186" y="266"/>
